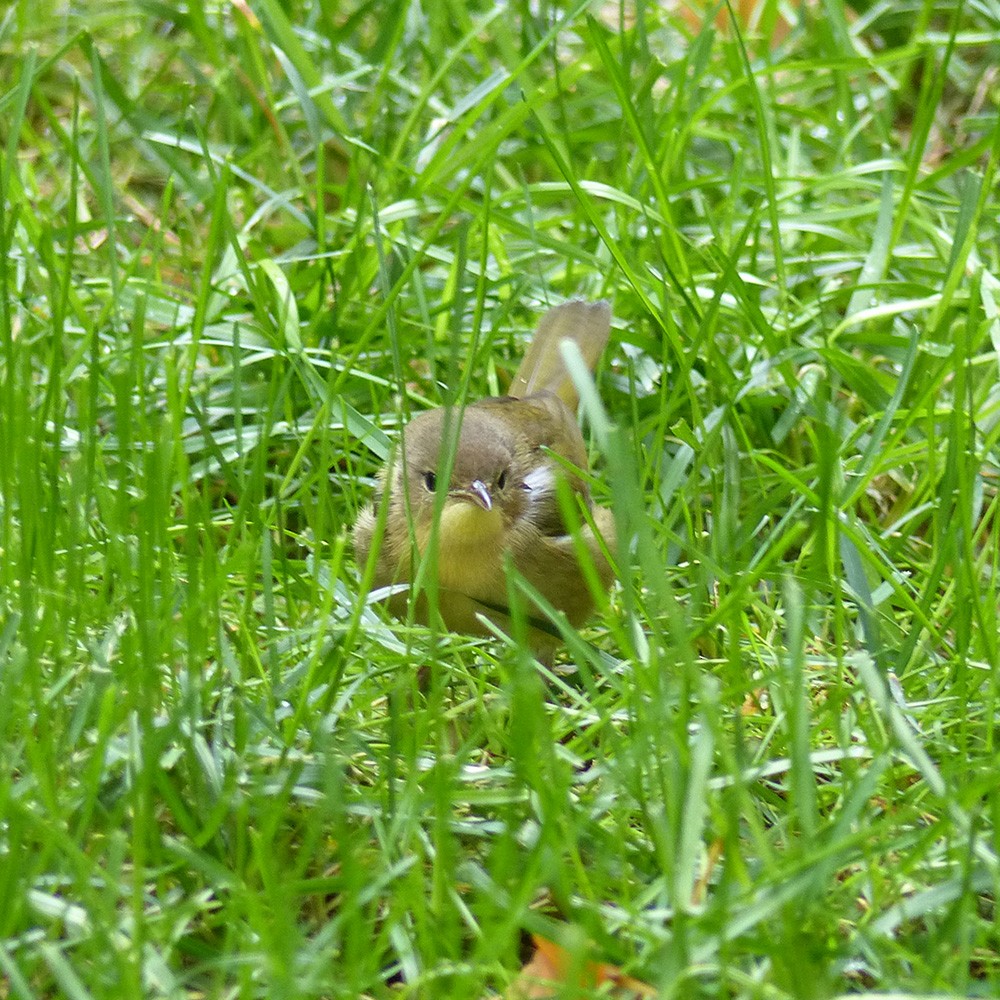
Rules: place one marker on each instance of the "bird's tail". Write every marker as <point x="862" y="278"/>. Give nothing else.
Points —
<point x="588" y="324"/>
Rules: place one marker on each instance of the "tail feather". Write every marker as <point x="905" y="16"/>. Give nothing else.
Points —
<point x="588" y="324"/>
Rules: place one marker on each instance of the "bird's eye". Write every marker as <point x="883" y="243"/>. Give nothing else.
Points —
<point x="502" y="480"/>
<point x="430" y="481"/>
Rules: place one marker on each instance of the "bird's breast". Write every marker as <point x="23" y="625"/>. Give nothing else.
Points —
<point x="470" y="546"/>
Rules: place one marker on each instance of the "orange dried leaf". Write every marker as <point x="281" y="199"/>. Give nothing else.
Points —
<point x="552" y="968"/>
<point x="747" y="13"/>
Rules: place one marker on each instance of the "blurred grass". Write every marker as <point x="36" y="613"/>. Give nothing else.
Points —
<point x="239" y="243"/>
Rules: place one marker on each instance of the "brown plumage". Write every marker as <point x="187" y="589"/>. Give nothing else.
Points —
<point x="500" y="500"/>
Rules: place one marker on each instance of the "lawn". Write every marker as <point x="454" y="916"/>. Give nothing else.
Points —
<point x="241" y="242"/>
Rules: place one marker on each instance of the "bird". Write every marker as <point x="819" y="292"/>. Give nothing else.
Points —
<point x="476" y="490"/>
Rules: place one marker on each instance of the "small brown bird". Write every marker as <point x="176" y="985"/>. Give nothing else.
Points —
<point x="500" y="499"/>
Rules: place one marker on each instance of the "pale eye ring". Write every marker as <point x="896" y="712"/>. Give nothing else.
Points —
<point x="430" y="482"/>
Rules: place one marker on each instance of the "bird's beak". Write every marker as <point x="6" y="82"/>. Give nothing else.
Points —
<point x="476" y="492"/>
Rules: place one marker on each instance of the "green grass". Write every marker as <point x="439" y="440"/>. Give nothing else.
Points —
<point x="235" y="252"/>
